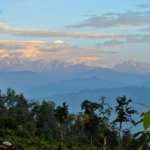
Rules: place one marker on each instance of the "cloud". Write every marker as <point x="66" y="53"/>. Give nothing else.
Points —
<point x="110" y="39"/>
<point x="111" y="43"/>
<point x="24" y="32"/>
<point x="84" y="60"/>
<point x="58" y="42"/>
<point x="33" y="54"/>
<point x="31" y="50"/>
<point x="116" y="43"/>
<point x="62" y="51"/>
<point x="37" y="50"/>
<point x="92" y="60"/>
<point x="11" y="45"/>
<point x="144" y="5"/>
<point x="43" y="46"/>
<point x="7" y="29"/>
<point x="147" y="30"/>
<point x="133" y="66"/>
<point x="109" y="20"/>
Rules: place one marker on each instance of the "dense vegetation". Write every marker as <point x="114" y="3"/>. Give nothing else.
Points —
<point x="43" y="125"/>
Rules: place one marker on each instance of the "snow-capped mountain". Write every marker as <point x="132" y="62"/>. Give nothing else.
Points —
<point x="133" y="67"/>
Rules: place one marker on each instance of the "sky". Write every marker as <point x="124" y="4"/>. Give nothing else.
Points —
<point x="90" y="32"/>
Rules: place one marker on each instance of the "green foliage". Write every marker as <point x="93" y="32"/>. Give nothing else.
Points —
<point x="124" y="110"/>
<point x="146" y="122"/>
<point x="32" y="125"/>
<point x="141" y="139"/>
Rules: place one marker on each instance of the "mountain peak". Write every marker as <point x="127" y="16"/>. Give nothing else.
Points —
<point x="133" y="67"/>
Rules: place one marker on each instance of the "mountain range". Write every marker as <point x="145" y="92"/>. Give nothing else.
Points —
<point x="74" y="83"/>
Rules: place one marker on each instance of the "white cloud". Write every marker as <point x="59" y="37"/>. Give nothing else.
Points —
<point x="58" y="42"/>
<point x="127" y="19"/>
<point x="26" y="53"/>
<point x="24" y="32"/>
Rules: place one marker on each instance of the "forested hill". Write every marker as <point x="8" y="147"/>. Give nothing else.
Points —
<point x="33" y="125"/>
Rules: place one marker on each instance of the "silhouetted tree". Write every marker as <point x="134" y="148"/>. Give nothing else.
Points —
<point x="61" y="114"/>
<point x="124" y="112"/>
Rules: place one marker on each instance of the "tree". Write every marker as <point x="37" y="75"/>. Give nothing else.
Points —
<point x="104" y="113"/>
<point x="41" y="124"/>
<point x="44" y="116"/>
<point x="141" y="139"/>
<point x="91" y="122"/>
<point x="124" y="112"/>
<point x="61" y="114"/>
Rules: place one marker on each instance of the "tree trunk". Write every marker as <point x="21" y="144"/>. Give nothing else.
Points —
<point x="62" y="135"/>
<point x="91" y="140"/>
<point x="120" y="138"/>
<point x="105" y="143"/>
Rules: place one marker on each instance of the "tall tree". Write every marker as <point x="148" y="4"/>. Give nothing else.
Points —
<point x="61" y="114"/>
<point x="91" y="122"/>
<point x="124" y="112"/>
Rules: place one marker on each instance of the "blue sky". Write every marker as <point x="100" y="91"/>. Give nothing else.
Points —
<point x="58" y="13"/>
<point x="95" y="33"/>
